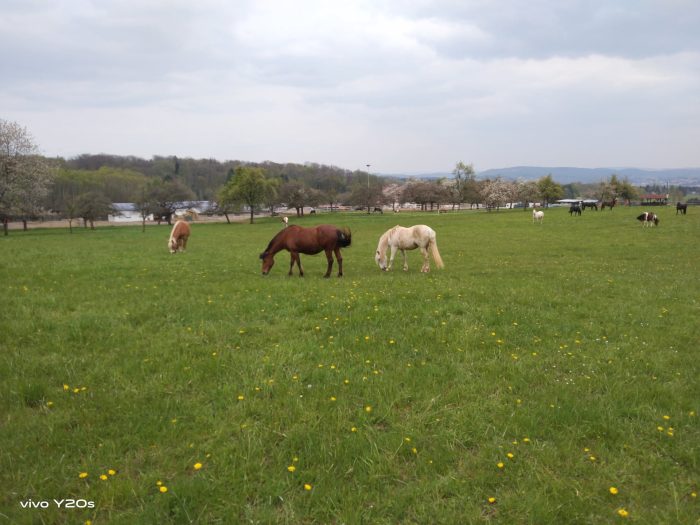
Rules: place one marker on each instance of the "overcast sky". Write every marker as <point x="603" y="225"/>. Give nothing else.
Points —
<point x="405" y="86"/>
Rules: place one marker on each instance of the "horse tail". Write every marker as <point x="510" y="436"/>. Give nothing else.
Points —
<point x="432" y="246"/>
<point x="344" y="237"/>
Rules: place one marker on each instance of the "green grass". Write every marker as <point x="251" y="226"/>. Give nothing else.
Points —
<point x="393" y="395"/>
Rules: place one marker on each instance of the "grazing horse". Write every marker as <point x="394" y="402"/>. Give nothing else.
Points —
<point x="589" y="205"/>
<point x="178" y="237"/>
<point x="310" y="241"/>
<point x="537" y="216"/>
<point x="648" y="219"/>
<point x="680" y="207"/>
<point x="400" y="238"/>
<point x="609" y="204"/>
<point x="575" y="209"/>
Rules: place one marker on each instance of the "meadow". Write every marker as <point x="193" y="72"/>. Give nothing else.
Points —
<point x="549" y="374"/>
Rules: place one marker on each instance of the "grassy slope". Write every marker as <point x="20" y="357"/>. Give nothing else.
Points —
<point x="578" y="334"/>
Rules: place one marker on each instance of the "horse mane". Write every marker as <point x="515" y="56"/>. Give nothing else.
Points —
<point x="272" y="241"/>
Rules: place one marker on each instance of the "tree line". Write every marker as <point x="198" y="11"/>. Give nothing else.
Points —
<point x="85" y="187"/>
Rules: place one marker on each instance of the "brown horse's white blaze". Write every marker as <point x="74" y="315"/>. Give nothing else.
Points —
<point x="310" y="241"/>
<point x="178" y="237"/>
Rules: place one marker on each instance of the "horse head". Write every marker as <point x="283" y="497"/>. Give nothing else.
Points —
<point x="268" y="261"/>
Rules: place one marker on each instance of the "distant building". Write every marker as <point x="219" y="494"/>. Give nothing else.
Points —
<point x="654" y="199"/>
<point x="126" y="212"/>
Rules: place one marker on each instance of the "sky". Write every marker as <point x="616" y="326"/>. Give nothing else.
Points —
<point x="407" y="86"/>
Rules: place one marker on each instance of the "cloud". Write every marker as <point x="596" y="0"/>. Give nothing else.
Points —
<point x="410" y="84"/>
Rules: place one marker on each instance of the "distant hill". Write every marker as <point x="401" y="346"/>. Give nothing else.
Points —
<point x="566" y="175"/>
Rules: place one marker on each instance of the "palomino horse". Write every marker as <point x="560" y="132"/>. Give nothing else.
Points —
<point x="537" y="216"/>
<point x="400" y="238"/>
<point x="648" y="219"/>
<point x="310" y="241"/>
<point x="682" y="208"/>
<point x="178" y="237"/>
<point x="609" y="204"/>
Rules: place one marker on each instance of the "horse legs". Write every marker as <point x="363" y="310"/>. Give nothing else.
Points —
<point x="426" y="260"/>
<point x="405" y="260"/>
<point x="339" y="258"/>
<point x="329" y="258"/>
<point x="295" y="258"/>
<point x="391" y="258"/>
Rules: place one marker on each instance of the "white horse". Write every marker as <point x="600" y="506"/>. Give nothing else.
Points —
<point x="400" y="238"/>
<point x="537" y="216"/>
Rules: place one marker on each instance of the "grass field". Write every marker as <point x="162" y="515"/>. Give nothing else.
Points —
<point x="545" y="366"/>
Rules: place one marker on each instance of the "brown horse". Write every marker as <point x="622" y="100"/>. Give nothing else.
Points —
<point x="609" y="204"/>
<point x="310" y="241"/>
<point x="178" y="237"/>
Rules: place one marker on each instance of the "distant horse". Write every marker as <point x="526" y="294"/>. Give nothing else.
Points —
<point x="178" y="237"/>
<point x="680" y="207"/>
<point x="285" y="220"/>
<point x="537" y="216"/>
<point x="378" y="210"/>
<point x="609" y="204"/>
<point x="648" y="219"/>
<point x="310" y="241"/>
<point x="589" y="205"/>
<point x="400" y="238"/>
<point x="575" y="209"/>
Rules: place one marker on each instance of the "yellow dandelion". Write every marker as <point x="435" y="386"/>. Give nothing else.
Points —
<point x="693" y="494"/>
<point x="613" y="490"/>
<point x="83" y="475"/>
<point x="500" y="464"/>
<point x="163" y="489"/>
<point x="414" y="450"/>
<point x="111" y="472"/>
<point x="159" y="483"/>
<point x="291" y="468"/>
<point x="510" y="455"/>
<point x="666" y="418"/>
<point x="623" y="513"/>
<point x="66" y="387"/>
<point x="307" y="486"/>
<point x="353" y="429"/>
<point x="333" y="398"/>
<point x="492" y="500"/>
<point x="197" y="466"/>
<point x="368" y="409"/>
<point x="526" y="440"/>
<point x="592" y="458"/>
<point x="241" y="397"/>
<point x="103" y="477"/>
<point x="49" y="404"/>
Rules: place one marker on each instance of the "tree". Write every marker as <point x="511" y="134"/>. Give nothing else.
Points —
<point x="463" y="174"/>
<point x="627" y="192"/>
<point x="549" y="190"/>
<point x="24" y="176"/>
<point x="526" y="191"/>
<point x="249" y="186"/>
<point x="93" y="206"/>
<point x="164" y="196"/>
<point x="496" y="192"/>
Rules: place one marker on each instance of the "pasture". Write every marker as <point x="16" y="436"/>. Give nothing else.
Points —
<point x="548" y="374"/>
